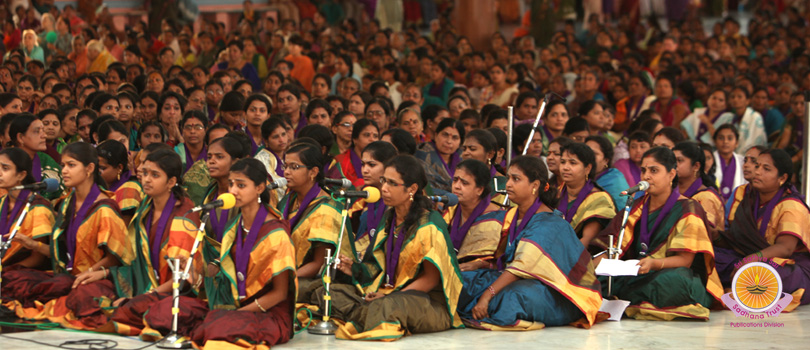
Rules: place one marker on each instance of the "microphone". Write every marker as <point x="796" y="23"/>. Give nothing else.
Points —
<point x="340" y="183"/>
<point x="224" y="201"/>
<point x="47" y="185"/>
<point x="449" y="199"/>
<point x="281" y="182"/>
<point x="371" y="194"/>
<point x="642" y="186"/>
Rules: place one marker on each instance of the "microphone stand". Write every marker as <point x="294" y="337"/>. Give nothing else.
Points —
<point x="4" y="245"/>
<point x="528" y="141"/>
<point x="174" y="340"/>
<point x="327" y="326"/>
<point x="615" y="251"/>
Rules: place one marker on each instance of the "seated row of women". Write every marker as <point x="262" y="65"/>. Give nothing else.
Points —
<point x="438" y="270"/>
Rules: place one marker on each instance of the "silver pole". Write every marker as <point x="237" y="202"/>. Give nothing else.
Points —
<point x="806" y="155"/>
<point x="509" y="130"/>
<point x="536" y="123"/>
<point x="174" y="340"/>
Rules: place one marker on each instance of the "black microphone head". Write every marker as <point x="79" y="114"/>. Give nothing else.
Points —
<point x="452" y="199"/>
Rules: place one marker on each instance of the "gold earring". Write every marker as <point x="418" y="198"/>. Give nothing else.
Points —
<point x="411" y="195"/>
<point x="534" y="191"/>
<point x="119" y="175"/>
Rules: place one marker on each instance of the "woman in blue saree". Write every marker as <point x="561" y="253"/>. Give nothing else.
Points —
<point x="542" y="275"/>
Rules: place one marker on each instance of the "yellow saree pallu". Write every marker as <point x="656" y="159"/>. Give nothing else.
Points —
<point x="129" y="195"/>
<point x="672" y="292"/>
<point x="712" y="203"/>
<point x="401" y="312"/>
<point x="597" y="206"/>
<point x="101" y="231"/>
<point x="479" y="240"/>
<point x="318" y="223"/>
<point x="38" y="224"/>
<point x="271" y="255"/>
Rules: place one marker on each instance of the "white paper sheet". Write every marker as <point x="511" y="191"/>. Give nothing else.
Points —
<point x="614" y="267"/>
<point x="615" y="308"/>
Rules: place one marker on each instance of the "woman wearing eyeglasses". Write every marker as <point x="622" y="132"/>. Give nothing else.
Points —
<point x="364" y="132"/>
<point x="193" y="148"/>
<point x="342" y="127"/>
<point x="410" y="279"/>
<point x="314" y="217"/>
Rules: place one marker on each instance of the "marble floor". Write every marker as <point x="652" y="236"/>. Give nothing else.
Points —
<point x="717" y="333"/>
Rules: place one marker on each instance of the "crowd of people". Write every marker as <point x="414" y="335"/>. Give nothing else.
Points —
<point x="140" y="129"/>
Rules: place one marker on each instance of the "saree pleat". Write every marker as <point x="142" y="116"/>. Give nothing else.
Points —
<point x="597" y="206"/>
<point x="224" y="329"/>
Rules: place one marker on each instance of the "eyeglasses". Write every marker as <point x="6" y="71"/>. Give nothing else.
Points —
<point x="347" y="124"/>
<point x="292" y="166"/>
<point x="389" y="182"/>
<point x="190" y="127"/>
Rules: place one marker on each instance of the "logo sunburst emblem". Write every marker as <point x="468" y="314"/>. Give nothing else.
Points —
<point x="757" y="287"/>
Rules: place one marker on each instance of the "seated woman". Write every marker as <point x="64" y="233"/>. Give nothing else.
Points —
<point x="771" y="223"/>
<point x="90" y="238"/>
<point x="521" y="135"/>
<point x="519" y="292"/>
<point x="24" y="132"/>
<point x="702" y="123"/>
<point x="260" y="261"/>
<point x="197" y="179"/>
<point x="554" y="155"/>
<point x="222" y="154"/>
<point x="364" y="132"/>
<point x="274" y="136"/>
<point x="585" y="205"/>
<point x="373" y="160"/>
<point x="638" y="143"/>
<point x="409" y="282"/>
<point x="193" y="148"/>
<point x="749" y="166"/>
<point x="728" y="163"/>
<point x="114" y="169"/>
<point x="482" y="146"/>
<point x="667" y="233"/>
<point x="694" y="183"/>
<point x="607" y="177"/>
<point x="162" y="227"/>
<point x="475" y="223"/>
<point x="314" y="217"/>
<point x="27" y="249"/>
<point x="441" y="154"/>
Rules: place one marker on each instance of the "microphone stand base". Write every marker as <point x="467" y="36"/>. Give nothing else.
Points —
<point x="174" y="341"/>
<point x="323" y="328"/>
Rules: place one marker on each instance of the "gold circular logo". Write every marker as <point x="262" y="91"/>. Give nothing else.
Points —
<point x="757" y="287"/>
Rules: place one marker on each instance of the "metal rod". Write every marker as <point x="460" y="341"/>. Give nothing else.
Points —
<point x="197" y="241"/>
<point x="174" y="340"/>
<point x="528" y="142"/>
<point x="509" y="131"/>
<point x="806" y="154"/>
<point x="616" y="252"/>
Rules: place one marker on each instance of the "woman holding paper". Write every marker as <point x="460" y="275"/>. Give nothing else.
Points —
<point x="667" y="233"/>
<point x="777" y="231"/>
<point x="543" y="276"/>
